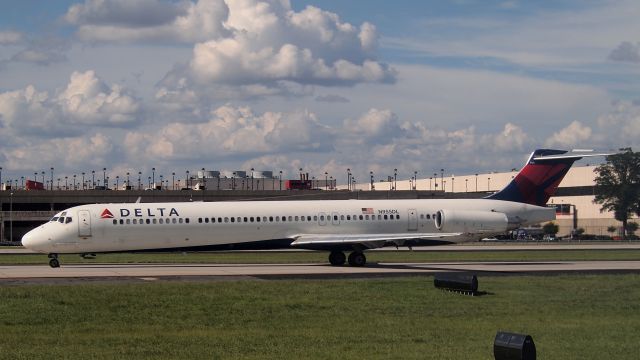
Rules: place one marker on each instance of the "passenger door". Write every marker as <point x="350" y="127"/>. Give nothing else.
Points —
<point x="84" y="223"/>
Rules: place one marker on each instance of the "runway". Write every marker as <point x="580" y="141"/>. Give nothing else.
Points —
<point x="151" y="272"/>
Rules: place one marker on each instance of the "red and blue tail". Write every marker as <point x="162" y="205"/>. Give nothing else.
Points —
<point x="538" y="180"/>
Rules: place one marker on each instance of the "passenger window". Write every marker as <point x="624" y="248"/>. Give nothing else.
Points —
<point x="179" y="220"/>
<point x="128" y="221"/>
<point x="379" y="217"/>
<point x="245" y="220"/>
<point x="366" y="217"/>
<point x="385" y="217"/>
<point x="315" y="218"/>
<point x="360" y="217"/>
<point x="284" y="218"/>
<point x="226" y="219"/>
<point x="213" y="220"/>
<point x="297" y="218"/>
<point x="121" y="221"/>
<point x="174" y="220"/>
<point x="200" y="220"/>
<point x="308" y="218"/>
<point x="206" y="220"/>
<point x="271" y="218"/>
<point x="398" y="217"/>
<point x="335" y="217"/>
<point x="251" y="219"/>
<point x="290" y="218"/>
<point x="264" y="219"/>
<point x="348" y="217"/>
<point x="239" y="219"/>
<point x="302" y="218"/>
<point x="115" y="222"/>
<point x="155" y="221"/>
<point x="220" y="220"/>
<point x="159" y="221"/>
<point x="186" y="220"/>
<point x="428" y="216"/>
<point x="135" y="221"/>
<point x="168" y="221"/>
<point x="258" y="219"/>
<point x="233" y="219"/>
<point x="321" y="217"/>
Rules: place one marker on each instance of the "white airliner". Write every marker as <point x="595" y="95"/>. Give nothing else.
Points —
<point x="332" y="225"/>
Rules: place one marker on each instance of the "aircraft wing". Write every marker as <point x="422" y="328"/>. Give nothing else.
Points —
<point x="369" y="241"/>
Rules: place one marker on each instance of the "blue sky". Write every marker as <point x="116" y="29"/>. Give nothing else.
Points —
<point x="325" y="85"/>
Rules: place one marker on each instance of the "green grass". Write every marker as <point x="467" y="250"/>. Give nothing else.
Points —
<point x="569" y="317"/>
<point x="321" y="257"/>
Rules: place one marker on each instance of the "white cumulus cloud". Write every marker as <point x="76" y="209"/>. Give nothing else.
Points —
<point x="87" y="100"/>
<point x="572" y="135"/>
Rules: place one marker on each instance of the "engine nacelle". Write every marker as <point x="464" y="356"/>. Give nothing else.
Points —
<point x="471" y="221"/>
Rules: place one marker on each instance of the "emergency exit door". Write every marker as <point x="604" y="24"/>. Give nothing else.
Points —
<point x="413" y="220"/>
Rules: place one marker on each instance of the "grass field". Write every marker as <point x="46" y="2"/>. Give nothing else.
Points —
<point x="569" y="317"/>
<point x="321" y="257"/>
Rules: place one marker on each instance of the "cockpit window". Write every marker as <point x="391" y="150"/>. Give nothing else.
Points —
<point x="55" y="218"/>
<point x="61" y="219"/>
<point x="67" y="220"/>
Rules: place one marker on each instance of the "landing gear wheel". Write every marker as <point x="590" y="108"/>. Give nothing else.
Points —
<point x="54" y="263"/>
<point x="337" y="258"/>
<point x="357" y="259"/>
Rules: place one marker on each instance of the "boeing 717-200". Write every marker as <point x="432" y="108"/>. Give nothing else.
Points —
<point x="332" y="225"/>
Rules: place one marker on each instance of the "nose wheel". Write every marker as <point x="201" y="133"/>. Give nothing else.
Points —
<point x="53" y="261"/>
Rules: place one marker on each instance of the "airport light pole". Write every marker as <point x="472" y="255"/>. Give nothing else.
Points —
<point x="11" y="215"/>
<point x="280" y="180"/>
<point x="162" y="182"/>
<point x="415" y="180"/>
<point x="186" y="181"/>
<point x="252" y="179"/>
<point x="331" y="182"/>
<point x="325" y="180"/>
<point x="83" y="183"/>
<point x="139" y="183"/>
<point x="173" y="181"/>
<point x="58" y="184"/>
<point x="476" y="182"/>
<point x="21" y="182"/>
<point x="93" y="179"/>
<point x="43" y="178"/>
<point x="117" y="181"/>
<point x="52" y="178"/>
<point x="153" y="174"/>
<point x="442" y="178"/>
<point x="74" y="181"/>
<point x="0" y="175"/>
<point x="453" y="184"/>
<point x="104" y="177"/>
<point x="488" y="183"/>
<point x="395" y="179"/>
<point x="372" y="185"/>
<point x="66" y="183"/>
<point x="466" y="185"/>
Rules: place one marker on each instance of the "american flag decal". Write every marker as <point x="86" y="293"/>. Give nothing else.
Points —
<point x="367" y="211"/>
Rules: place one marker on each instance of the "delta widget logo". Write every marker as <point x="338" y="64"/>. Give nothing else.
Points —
<point x="106" y="214"/>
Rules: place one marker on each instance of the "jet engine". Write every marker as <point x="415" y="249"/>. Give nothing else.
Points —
<point x="471" y="221"/>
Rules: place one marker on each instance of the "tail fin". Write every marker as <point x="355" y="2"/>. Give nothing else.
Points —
<point x="538" y="180"/>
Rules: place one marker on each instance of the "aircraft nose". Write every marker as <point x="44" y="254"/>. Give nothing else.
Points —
<point x="33" y="241"/>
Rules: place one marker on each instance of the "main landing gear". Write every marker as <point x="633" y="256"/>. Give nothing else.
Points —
<point x="356" y="258"/>
<point x="53" y="261"/>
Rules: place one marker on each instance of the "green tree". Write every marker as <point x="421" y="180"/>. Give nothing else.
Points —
<point x="550" y="228"/>
<point x="612" y="229"/>
<point x="632" y="227"/>
<point x="618" y="185"/>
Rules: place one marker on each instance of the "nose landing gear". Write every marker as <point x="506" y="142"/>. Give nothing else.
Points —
<point x="53" y="261"/>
